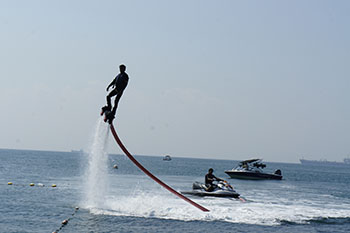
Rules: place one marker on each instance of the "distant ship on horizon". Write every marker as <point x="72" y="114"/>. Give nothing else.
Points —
<point x="346" y="162"/>
<point x="77" y="151"/>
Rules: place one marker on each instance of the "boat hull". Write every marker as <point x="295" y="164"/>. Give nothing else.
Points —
<point x="253" y="175"/>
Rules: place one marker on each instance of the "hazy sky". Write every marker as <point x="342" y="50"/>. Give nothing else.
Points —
<point x="208" y="79"/>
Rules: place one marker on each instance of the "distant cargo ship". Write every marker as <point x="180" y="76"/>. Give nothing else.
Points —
<point x="77" y="151"/>
<point x="346" y="162"/>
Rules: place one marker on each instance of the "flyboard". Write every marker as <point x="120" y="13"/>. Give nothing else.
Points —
<point x="151" y="175"/>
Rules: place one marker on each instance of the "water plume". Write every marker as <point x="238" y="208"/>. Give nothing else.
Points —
<point x="96" y="174"/>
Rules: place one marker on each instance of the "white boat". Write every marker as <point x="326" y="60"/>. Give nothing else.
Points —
<point x="167" y="158"/>
<point x="252" y="169"/>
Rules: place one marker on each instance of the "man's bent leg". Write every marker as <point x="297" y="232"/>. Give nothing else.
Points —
<point x="109" y="96"/>
<point x="116" y="101"/>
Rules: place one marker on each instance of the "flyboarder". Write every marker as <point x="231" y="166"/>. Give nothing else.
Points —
<point x="119" y="84"/>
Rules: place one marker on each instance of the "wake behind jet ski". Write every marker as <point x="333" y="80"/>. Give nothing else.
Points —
<point x="221" y="189"/>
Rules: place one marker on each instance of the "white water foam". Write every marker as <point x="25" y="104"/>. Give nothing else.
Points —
<point x="150" y="205"/>
<point x="149" y="200"/>
<point x="96" y="175"/>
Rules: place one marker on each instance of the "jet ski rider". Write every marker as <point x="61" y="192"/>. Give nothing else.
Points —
<point x="209" y="178"/>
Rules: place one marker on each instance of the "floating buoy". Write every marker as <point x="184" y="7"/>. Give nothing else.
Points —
<point x="31" y="184"/>
<point x="54" y="186"/>
<point x="9" y="183"/>
<point x="64" y="222"/>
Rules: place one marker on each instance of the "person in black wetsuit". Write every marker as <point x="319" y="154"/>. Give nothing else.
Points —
<point x="209" y="178"/>
<point x="119" y="84"/>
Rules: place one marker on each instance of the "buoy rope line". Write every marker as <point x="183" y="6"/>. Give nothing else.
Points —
<point x="30" y="184"/>
<point x="65" y="222"/>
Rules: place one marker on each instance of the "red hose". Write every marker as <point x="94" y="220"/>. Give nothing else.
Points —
<point x="151" y="175"/>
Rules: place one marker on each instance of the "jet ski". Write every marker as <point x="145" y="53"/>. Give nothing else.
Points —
<point x="222" y="189"/>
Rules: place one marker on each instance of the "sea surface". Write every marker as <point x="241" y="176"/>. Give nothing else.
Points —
<point x="95" y="197"/>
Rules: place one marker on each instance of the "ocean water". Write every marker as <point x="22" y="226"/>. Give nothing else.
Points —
<point x="308" y="199"/>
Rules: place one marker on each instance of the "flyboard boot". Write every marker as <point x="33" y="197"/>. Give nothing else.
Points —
<point x="109" y="116"/>
<point x="105" y="109"/>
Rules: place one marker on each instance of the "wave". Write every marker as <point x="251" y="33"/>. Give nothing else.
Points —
<point x="320" y="221"/>
<point x="330" y="220"/>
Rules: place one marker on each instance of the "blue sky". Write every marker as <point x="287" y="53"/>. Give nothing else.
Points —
<point x="208" y="79"/>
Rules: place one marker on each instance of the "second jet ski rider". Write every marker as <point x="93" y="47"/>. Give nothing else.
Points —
<point x="209" y="178"/>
